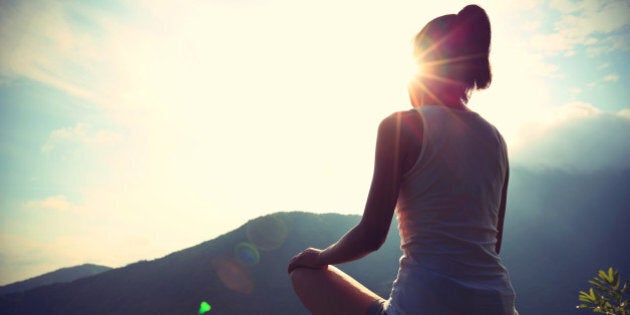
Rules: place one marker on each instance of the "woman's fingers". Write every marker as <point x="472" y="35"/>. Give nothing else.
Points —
<point x="307" y="259"/>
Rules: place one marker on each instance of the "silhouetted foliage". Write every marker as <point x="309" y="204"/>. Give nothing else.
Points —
<point x="608" y="294"/>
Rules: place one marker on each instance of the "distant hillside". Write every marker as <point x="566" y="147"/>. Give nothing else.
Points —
<point x="59" y="276"/>
<point x="241" y="272"/>
<point x="560" y="229"/>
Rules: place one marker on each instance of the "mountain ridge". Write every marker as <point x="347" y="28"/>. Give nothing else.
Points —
<point x="66" y="274"/>
<point x="219" y="271"/>
<point x="560" y="229"/>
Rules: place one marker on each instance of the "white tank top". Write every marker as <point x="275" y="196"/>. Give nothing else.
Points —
<point x="447" y="210"/>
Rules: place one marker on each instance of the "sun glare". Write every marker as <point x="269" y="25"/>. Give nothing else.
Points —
<point x="412" y="69"/>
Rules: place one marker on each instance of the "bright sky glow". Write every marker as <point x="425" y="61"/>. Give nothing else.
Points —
<point x="133" y="129"/>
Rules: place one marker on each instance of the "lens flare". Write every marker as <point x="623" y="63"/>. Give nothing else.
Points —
<point x="233" y="275"/>
<point x="267" y="233"/>
<point x="204" y="307"/>
<point x="247" y="254"/>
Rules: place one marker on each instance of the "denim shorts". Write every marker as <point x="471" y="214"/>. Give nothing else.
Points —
<point x="377" y="308"/>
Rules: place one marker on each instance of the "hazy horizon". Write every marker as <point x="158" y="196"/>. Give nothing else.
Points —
<point x="131" y="129"/>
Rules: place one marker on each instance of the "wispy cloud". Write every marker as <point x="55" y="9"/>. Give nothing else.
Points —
<point x="624" y="113"/>
<point x="81" y="49"/>
<point x="595" y="25"/>
<point x="41" y="43"/>
<point x="54" y="203"/>
<point x="585" y="17"/>
<point x="81" y="133"/>
<point x="603" y="66"/>
<point x="578" y="137"/>
<point x="612" y="77"/>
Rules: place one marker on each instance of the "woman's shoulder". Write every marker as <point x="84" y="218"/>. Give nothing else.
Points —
<point x="400" y="118"/>
<point x="403" y="121"/>
<point x="406" y="129"/>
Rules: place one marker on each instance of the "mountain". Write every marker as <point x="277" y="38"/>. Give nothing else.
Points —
<point x="241" y="272"/>
<point x="62" y="275"/>
<point x="560" y="229"/>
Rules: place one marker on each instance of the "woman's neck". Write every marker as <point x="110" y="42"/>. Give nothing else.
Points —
<point x="451" y="100"/>
<point x="446" y="95"/>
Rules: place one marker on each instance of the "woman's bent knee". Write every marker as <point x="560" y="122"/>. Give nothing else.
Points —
<point x="330" y="291"/>
<point x="301" y="276"/>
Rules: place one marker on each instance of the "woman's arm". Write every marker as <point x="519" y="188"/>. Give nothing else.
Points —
<point x="502" y="207"/>
<point x="371" y="231"/>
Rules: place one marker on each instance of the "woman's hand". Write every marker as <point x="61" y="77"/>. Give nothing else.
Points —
<point x="308" y="258"/>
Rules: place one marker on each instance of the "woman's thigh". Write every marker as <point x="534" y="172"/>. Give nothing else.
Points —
<point x="331" y="291"/>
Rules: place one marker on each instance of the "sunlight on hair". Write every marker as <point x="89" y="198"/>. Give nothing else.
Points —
<point x="416" y="83"/>
<point x="410" y="69"/>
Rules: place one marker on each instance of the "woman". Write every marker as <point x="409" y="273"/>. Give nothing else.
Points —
<point x="445" y="171"/>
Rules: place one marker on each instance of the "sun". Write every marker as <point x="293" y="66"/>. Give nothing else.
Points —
<point x="413" y="69"/>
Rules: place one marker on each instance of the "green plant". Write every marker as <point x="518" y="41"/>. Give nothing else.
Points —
<point x="607" y="294"/>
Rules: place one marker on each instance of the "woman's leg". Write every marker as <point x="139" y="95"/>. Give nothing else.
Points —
<point x="331" y="291"/>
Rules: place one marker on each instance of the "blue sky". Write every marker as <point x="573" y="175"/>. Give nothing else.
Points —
<point x="135" y="128"/>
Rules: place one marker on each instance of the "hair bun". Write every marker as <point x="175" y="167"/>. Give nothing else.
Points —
<point x="457" y="46"/>
<point x="471" y="10"/>
<point x="473" y="26"/>
<point x="473" y="21"/>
